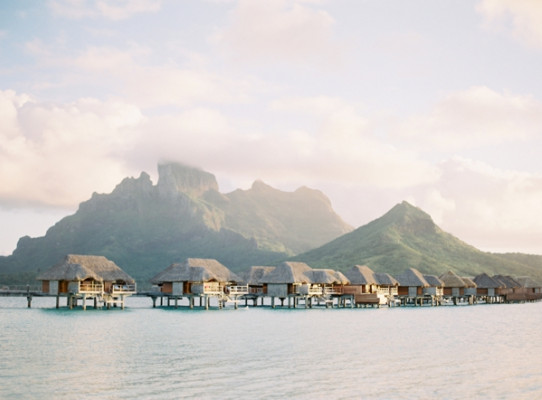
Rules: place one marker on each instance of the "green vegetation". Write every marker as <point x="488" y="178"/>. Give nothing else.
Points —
<point x="407" y="237"/>
<point x="144" y="228"/>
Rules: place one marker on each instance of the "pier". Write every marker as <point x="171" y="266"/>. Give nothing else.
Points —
<point x="116" y="297"/>
<point x="99" y="283"/>
<point x="242" y="294"/>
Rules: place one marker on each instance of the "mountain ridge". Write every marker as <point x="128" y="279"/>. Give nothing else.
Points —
<point x="144" y="227"/>
<point x="406" y="237"/>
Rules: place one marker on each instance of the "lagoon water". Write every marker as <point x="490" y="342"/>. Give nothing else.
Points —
<point x="449" y="352"/>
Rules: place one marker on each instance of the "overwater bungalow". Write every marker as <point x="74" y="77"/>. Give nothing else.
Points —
<point x="411" y="283"/>
<point x="458" y="288"/>
<point x="435" y="288"/>
<point x="198" y="278"/>
<point x="454" y="285"/>
<point x="520" y="289"/>
<point x="487" y="288"/>
<point x="510" y="289"/>
<point x="331" y="281"/>
<point x="253" y="278"/>
<point x="332" y="285"/>
<point x="369" y="287"/>
<point x="289" y="280"/>
<point x="87" y="277"/>
<point x="362" y="280"/>
<point x="532" y="289"/>
<point x="470" y="288"/>
<point x="387" y="284"/>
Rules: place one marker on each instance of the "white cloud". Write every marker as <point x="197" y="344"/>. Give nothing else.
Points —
<point x="279" y="30"/>
<point x="110" y="9"/>
<point x="150" y="85"/>
<point x="476" y="117"/>
<point x="523" y="18"/>
<point x="131" y="74"/>
<point x="59" y="154"/>
<point x="493" y="209"/>
<point x="340" y="148"/>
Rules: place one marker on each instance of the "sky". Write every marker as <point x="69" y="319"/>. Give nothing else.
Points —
<point x="436" y="102"/>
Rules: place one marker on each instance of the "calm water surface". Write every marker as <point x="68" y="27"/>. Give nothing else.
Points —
<point x="463" y="352"/>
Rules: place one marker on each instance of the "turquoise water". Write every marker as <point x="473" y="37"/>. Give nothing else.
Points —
<point x="483" y="351"/>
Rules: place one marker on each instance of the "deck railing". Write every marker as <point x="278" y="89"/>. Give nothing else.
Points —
<point x="212" y="288"/>
<point x="20" y="288"/>
<point x="316" y="291"/>
<point x="92" y="287"/>
<point x="123" y="289"/>
<point x="333" y="290"/>
<point x="237" y="290"/>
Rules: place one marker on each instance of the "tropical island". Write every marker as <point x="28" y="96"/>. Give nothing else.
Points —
<point x="144" y="227"/>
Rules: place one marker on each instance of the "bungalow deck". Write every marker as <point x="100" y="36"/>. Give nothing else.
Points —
<point x="116" y="297"/>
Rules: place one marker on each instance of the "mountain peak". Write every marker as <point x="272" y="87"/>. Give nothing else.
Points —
<point x="175" y="178"/>
<point x="260" y="185"/>
<point x="409" y="218"/>
<point x="134" y="186"/>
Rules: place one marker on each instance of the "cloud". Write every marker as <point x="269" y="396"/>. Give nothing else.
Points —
<point x="339" y="148"/>
<point x="492" y="208"/>
<point x="522" y="18"/>
<point x="110" y="9"/>
<point x="292" y="31"/>
<point x="57" y="155"/>
<point x="156" y="85"/>
<point x="473" y="118"/>
<point x="130" y="73"/>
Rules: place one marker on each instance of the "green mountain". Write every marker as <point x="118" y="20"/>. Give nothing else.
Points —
<point x="145" y="227"/>
<point x="407" y="237"/>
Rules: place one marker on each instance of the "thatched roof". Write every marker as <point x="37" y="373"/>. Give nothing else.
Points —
<point x="361" y="275"/>
<point x="484" y="281"/>
<point x="80" y="267"/>
<point x="196" y="270"/>
<point x="507" y="281"/>
<point x="468" y="282"/>
<point x="452" y="280"/>
<point x="288" y="272"/>
<point x="327" y="276"/>
<point x="255" y="274"/>
<point x="528" y="282"/>
<point x="412" y="277"/>
<point x="434" y="281"/>
<point x="385" y="279"/>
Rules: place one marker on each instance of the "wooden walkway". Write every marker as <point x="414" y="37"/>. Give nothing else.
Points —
<point x="290" y="301"/>
<point x="72" y="299"/>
